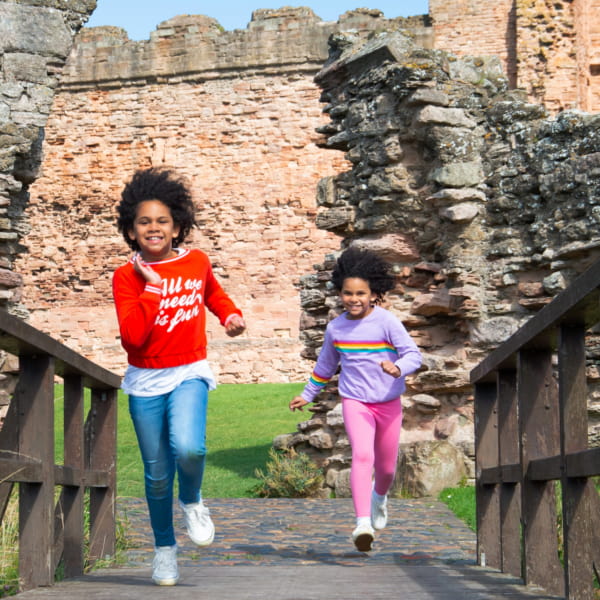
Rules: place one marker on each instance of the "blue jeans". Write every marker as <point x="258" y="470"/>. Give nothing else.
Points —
<point x="171" y="432"/>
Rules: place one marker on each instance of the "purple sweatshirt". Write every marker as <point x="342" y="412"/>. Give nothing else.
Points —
<point x="360" y="345"/>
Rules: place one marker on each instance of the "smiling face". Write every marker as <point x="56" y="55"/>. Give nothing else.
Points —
<point x="154" y="230"/>
<point x="357" y="297"/>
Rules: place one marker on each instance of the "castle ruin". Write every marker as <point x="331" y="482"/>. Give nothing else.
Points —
<point x="419" y="144"/>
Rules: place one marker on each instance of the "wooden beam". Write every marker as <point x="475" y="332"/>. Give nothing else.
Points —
<point x="576" y="509"/>
<point x="18" y="470"/>
<point x="583" y="464"/>
<point x="68" y="476"/>
<point x="9" y="443"/>
<point x="545" y="469"/>
<point x="510" y="488"/>
<point x="102" y="452"/>
<point x="73" y="495"/>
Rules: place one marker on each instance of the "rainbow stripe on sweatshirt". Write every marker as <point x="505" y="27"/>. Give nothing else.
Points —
<point x="353" y="347"/>
<point x="365" y="347"/>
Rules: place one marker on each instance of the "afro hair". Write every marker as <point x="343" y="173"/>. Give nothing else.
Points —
<point x="366" y="265"/>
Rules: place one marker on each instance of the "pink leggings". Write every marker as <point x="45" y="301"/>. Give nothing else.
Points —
<point x="374" y="434"/>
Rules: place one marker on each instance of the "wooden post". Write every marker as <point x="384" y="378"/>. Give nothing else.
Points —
<point x="34" y="396"/>
<point x="73" y="496"/>
<point x="510" y="454"/>
<point x="486" y="456"/>
<point x="9" y="442"/>
<point x="539" y="431"/>
<point x="102" y="447"/>
<point x="577" y="526"/>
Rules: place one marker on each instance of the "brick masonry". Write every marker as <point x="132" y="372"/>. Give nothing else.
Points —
<point x="550" y="49"/>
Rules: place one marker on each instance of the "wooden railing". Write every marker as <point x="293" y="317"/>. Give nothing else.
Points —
<point x="51" y="530"/>
<point x="531" y="445"/>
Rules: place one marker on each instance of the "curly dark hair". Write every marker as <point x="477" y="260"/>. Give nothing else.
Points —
<point x="156" y="184"/>
<point x="366" y="265"/>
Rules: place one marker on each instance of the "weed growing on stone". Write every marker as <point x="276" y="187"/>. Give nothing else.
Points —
<point x="288" y="475"/>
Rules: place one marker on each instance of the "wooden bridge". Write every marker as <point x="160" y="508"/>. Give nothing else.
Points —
<point x="531" y="452"/>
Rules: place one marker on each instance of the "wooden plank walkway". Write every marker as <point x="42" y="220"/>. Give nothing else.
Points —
<point x="294" y="549"/>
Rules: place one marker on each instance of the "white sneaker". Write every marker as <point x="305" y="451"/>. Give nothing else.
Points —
<point x="199" y="525"/>
<point x="379" y="512"/>
<point x="363" y="537"/>
<point x="164" y="565"/>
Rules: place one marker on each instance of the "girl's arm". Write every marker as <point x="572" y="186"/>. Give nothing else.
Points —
<point x="221" y="305"/>
<point x="409" y="356"/>
<point x="325" y="368"/>
<point x="234" y="325"/>
<point x="137" y="307"/>
<point x="390" y="368"/>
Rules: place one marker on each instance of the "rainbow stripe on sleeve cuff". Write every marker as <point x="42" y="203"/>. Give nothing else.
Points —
<point x="318" y="380"/>
<point x="363" y="346"/>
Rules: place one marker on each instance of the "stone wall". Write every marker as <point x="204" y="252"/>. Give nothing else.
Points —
<point x="235" y="112"/>
<point x="485" y="205"/>
<point x="238" y="113"/>
<point x="463" y="27"/>
<point x="35" y="40"/>
<point x="550" y="49"/>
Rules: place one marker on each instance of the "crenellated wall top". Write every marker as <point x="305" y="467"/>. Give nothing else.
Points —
<point x="196" y="47"/>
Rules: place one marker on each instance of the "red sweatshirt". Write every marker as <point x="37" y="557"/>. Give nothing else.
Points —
<point x="166" y="326"/>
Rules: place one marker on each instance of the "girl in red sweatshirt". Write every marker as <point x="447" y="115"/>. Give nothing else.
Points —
<point x="161" y="296"/>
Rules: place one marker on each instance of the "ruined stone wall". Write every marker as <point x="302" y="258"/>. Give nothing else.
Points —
<point x="548" y="48"/>
<point x="237" y="114"/>
<point x="485" y="206"/>
<point x="35" y="40"/>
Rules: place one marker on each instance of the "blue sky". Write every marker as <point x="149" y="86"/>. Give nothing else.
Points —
<point x="140" y="17"/>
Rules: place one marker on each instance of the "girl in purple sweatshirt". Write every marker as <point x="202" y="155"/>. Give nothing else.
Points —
<point x="375" y="353"/>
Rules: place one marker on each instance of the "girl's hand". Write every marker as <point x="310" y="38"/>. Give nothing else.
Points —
<point x="390" y="368"/>
<point x="235" y="325"/>
<point x="298" y="403"/>
<point x="147" y="272"/>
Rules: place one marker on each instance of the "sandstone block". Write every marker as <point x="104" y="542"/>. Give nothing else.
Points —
<point x="426" y="468"/>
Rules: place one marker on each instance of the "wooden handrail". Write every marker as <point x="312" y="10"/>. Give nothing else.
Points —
<point x="48" y="528"/>
<point x="21" y="339"/>
<point x="579" y="303"/>
<point x="531" y="433"/>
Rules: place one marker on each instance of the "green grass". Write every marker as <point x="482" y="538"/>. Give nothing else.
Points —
<point x="243" y="420"/>
<point x="9" y="557"/>
<point x="461" y="501"/>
